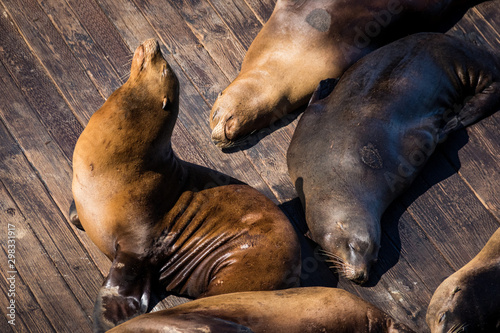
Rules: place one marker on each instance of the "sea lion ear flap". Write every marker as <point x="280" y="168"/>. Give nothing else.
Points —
<point x="324" y="89"/>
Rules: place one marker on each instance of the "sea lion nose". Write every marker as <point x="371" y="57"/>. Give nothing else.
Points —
<point x="151" y="47"/>
<point x="359" y="276"/>
<point x="218" y="134"/>
<point x="230" y="127"/>
<point x="224" y="129"/>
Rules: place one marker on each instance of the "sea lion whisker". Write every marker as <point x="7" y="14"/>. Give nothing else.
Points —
<point x="125" y="76"/>
<point x="332" y="256"/>
<point x="458" y="328"/>
<point x="334" y="260"/>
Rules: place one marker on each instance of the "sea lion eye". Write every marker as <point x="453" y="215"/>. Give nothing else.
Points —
<point x="442" y="316"/>
<point x="164" y="71"/>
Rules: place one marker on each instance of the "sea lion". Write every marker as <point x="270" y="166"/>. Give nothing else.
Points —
<point x="304" y="42"/>
<point x="158" y="218"/>
<point x="358" y="147"/>
<point x="468" y="300"/>
<point x="295" y="310"/>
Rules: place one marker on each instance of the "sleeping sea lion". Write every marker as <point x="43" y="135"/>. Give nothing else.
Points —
<point x="358" y="147"/>
<point x="161" y="220"/>
<point x="295" y="310"/>
<point x="304" y="42"/>
<point x="469" y="300"/>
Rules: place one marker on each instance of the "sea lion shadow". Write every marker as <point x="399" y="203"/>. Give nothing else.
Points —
<point x="315" y="271"/>
<point x="435" y="171"/>
<point x="252" y="139"/>
<point x="157" y="296"/>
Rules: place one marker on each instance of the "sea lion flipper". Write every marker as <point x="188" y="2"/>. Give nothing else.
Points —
<point x="124" y="294"/>
<point x="479" y="106"/>
<point x="325" y="87"/>
<point x="73" y="216"/>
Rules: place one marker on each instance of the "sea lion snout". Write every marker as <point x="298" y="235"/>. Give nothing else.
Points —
<point x="145" y="54"/>
<point x="147" y="51"/>
<point x="223" y="131"/>
<point x="351" y="257"/>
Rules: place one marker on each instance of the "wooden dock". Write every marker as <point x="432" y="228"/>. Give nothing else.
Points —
<point x="59" y="60"/>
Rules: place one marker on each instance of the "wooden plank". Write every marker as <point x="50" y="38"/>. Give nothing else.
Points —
<point x="213" y="34"/>
<point x="53" y="53"/>
<point x="48" y="265"/>
<point x="28" y="312"/>
<point x="104" y="34"/>
<point x="414" y="245"/>
<point x="43" y="153"/>
<point x="90" y="55"/>
<point x="262" y="8"/>
<point x="5" y="327"/>
<point x="451" y="215"/>
<point x="31" y="76"/>
<point x="478" y="161"/>
<point x="240" y="19"/>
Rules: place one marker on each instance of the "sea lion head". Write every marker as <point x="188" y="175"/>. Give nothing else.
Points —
<point x="152" y="89"/>
<point x="249" y="103"/>
<point x="466" y="303"/>
<point x="350" y="242"/>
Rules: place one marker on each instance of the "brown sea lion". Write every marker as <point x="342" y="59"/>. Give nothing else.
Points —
<point x="304" y="42"/>
<point x="469" y="300"/>
<point x="295" y="310"/>
<point x="359" y="147"/>
<point x="158" y="218"/>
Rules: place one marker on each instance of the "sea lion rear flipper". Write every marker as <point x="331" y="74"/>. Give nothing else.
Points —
<point x="480" y="106"/>
<point x="324" y="89"/>
<point x="125" y="292"/>
<point x="73" y="216"/>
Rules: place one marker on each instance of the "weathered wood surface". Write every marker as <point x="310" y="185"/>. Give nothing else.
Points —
<point x="59" y="60"/>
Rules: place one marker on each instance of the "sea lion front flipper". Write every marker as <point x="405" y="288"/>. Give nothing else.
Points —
<point x="73" y="216"/>
<point x="480" y="106"/>
<point x="324" y="88"/>
<point x="125" y="292"/>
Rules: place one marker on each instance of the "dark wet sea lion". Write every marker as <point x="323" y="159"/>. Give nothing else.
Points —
<point x="469" y="300"/>
<point x="295" y="310"/>
<point x="304" y="42"/>
<point x="359" y="147"/>
<point x="161" y="220"/>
